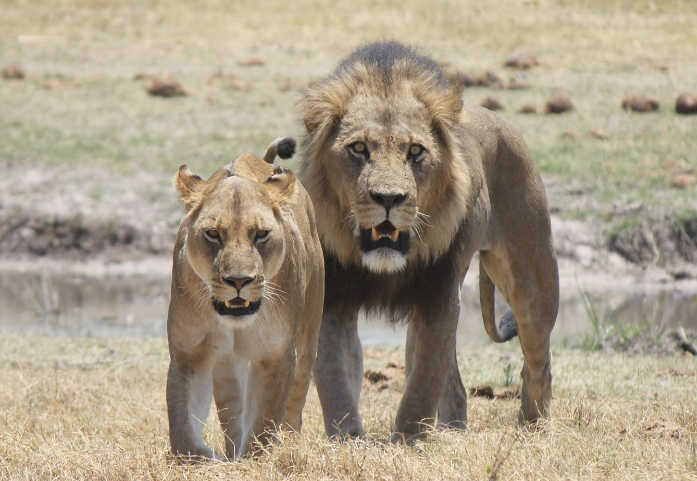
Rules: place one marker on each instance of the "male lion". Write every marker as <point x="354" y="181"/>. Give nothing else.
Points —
<point x="408" y="183"/>
<point x="246" y="306"/>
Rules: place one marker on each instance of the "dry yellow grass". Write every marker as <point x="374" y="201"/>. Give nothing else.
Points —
<point x="95" y="409"/>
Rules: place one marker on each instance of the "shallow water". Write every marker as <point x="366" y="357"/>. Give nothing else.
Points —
<point x="136" y="306"/>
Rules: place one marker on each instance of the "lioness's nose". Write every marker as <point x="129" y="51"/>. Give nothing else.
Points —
<point x="238" y="282"/>
<point x="388" y="200"/>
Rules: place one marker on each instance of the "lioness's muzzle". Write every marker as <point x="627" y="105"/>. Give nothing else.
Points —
<point x="236" y="307"/>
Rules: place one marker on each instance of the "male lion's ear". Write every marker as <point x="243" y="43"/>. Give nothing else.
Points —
<point x="189" y="186"/>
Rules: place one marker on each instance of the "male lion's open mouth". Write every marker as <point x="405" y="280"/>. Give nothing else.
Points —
<point x="384" y="235"/>
<point x="236" y="307"/>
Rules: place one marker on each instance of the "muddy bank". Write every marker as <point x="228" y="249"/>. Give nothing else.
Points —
<point x="93" y="220"/>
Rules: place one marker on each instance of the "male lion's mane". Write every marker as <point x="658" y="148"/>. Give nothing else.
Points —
<point x="388" y="71"/>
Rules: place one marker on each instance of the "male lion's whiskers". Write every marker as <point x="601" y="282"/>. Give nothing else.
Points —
<point x="419" y="224"/>
<point x="422" y="217"/>
<point x="349" y="219"/>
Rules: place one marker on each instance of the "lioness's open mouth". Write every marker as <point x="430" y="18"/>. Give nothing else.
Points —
<point x="384" y="235"/>
<point x="236" y="307"/>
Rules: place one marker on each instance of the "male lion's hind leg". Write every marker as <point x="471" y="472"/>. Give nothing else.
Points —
<point x="536" y="392"/>
<point x="339" y="375"/>
<point x="452" y="408"/>
<point x="536" y="314"/>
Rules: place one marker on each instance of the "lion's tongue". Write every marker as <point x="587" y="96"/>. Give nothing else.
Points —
<point x="386" y="229"/>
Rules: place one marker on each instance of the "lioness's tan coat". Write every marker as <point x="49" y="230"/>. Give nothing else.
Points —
<point x="247" y="292"/>
<point x="408" y="184"/>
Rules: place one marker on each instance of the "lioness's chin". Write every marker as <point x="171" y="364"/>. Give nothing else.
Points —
<point x="384" y="260"/>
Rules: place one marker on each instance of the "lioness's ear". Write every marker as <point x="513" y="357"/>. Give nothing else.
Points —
<point x="281" y="185"/>
<point x="189" y="186"/>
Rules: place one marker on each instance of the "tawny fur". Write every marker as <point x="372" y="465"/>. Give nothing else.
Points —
<point x="473" y="188"/>
<point x="248" y="233"/>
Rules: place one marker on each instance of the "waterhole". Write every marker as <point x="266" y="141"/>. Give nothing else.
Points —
<point x="136" y="306"/>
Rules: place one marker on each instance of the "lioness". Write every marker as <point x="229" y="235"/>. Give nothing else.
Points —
<point x="246" y="305"/>
<point x="408" y="183"/>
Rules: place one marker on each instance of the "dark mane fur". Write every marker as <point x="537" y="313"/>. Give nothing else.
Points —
<point x="382" y="56"/>
<point x="419" y="289"/>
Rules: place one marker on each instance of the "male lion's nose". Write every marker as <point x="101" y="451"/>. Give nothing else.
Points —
<point x="238" y="282"/>
<point x="388" y="200"/>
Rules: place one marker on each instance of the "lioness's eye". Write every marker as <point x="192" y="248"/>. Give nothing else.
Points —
<point x="359" y="149"/>
<point x="212" y="234"/>
<point x="262" y="234"/>
<point x="415" y="150"/>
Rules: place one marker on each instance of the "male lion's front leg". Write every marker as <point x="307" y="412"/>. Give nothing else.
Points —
<point x="430" y="348"/>
<point x="339" y="374"/>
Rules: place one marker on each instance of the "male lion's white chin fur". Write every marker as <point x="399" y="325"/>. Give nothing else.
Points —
<point x="384" y="260"/>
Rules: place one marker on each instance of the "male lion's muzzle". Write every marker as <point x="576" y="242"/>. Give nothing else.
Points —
<point x="384" y="235"/>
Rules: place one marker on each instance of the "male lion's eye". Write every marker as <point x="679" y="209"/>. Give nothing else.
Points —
<point x="359" y="149"/>
<point x="212" y="234"/>
<point x="262" y="234"/>
<point x="415" y="151"/>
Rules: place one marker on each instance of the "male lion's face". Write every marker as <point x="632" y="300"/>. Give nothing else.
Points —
<point x="235" y="245"/>
<point x="385" y="155"/>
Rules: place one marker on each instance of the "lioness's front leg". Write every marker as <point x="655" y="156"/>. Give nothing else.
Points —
<point x="430" y="349"/>
<point x="229" y="377"/>
<point x="339" y="374"/>
<point x="189" y="397"/>
<point x="268" y="386"/>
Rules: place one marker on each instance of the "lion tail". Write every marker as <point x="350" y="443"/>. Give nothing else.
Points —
<point x="284" y="147"/>
<point x="507" y="328"/>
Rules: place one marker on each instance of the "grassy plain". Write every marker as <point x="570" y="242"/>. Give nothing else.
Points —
<point x="95" y="409"/>
<point x="80" y="107"/>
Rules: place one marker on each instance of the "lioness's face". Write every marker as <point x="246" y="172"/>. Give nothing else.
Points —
<point x="236" y="245"/>
<point x="385" y="160"/>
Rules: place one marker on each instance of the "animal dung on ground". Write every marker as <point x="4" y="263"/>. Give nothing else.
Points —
<point x="686" y="103"/>
<point x="559" y="103"/>
<point x="487" y="79"/>
<point x="165" y="88"/>
<point x="598" y="134"/>
<point x="527" y="109"/>
<point x="682" y="181"/>
<point x="640" y="103"/>
<point x="253" y="62"/>
<point x="13" y="72"/>
<point x="521" y="61"/>
<point x="491" y="103"/>
<point x="515" y="84"/>
<point x="489" y="393"/>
